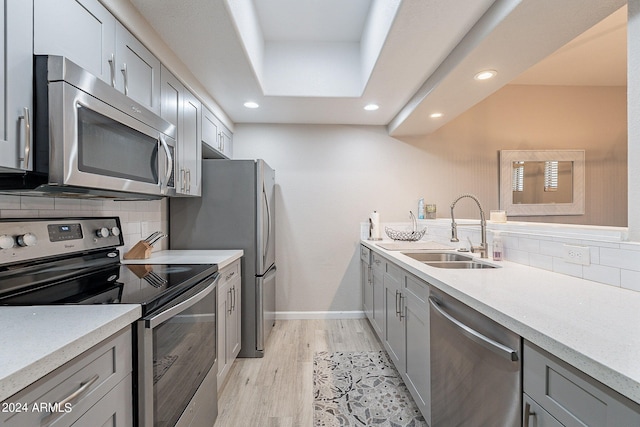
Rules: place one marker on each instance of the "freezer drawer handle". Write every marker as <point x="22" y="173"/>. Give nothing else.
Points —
<point x="528" y="413"/>
<point x="476" y="336"/>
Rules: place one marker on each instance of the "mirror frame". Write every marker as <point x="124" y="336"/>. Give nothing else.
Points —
<point x="507" y="157"/>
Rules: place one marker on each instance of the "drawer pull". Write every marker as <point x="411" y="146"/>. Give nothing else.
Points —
<point x="84" y="387"/>
<point x="528" y="414"/>
<point x="230" y="275"/>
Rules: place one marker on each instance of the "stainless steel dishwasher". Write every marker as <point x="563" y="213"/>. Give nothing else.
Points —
<point x="475" y="367"/>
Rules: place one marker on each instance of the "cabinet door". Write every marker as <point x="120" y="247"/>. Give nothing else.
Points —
<point x="378" y="295"/>
<point x="138" y="70"/>
<point x="367" y="289"/>
<point x="417" y="374"/>
<point x="221" y="330"/>
<point x="210" y="129"/>
<point x="394" y="338"/>
<point x="16" y="85"/>
<point x="234" y="336"/>
<point x="225" y="138"/>
<point x="82" y="30"/>
<point x="189" y="146"/>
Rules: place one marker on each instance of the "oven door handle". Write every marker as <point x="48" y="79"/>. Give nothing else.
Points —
<point x="152" y="322"/>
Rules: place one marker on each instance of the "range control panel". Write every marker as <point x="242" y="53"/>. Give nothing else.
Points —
<point x="25" y="240"/>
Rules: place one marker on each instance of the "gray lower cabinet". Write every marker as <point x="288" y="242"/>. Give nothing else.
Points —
<point x="93" y="389"/>
<point x="378" y="266"/>
<point x="229" y="319"/>
<point x="365" y="278"/>
<point x="570" y="396"/>
<point x="417" y="367"/>
<point x="394" y="331"/>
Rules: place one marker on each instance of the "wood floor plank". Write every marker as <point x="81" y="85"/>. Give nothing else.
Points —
<point x="277" y="390"/>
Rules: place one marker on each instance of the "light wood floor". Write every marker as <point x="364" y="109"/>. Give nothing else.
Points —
<point x="277" y="390"/>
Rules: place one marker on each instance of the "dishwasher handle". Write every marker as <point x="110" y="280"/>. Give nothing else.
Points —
<point x="475" y="336"/>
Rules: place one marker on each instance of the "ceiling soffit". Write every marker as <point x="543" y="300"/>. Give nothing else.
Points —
<point x="308" y="48"/>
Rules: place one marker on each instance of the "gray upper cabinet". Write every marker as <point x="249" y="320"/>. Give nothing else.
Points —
<point x="86" y="33"/>
<point x="138" y="70"/>
<point x="16" y="86"/>
<point x="217" y="140"/>
<point x="81" y="30"/>
<point x="182" y="109"/>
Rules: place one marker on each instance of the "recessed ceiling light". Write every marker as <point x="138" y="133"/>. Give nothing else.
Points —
<point x="251" y="104"/>
<point x="436" y="115"/>
<point x="485" y="75"/>
<point x="371" y="107"/>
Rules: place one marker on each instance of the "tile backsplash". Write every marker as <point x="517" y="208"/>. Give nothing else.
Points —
<point x="138" y="218"/>
<point x="612" y="260"/>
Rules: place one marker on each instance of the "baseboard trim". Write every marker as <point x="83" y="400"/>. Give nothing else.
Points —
<point x="305" y="315"/>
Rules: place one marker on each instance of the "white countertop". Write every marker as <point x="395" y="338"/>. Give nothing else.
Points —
<point x="220" y="257"/>
<point x="592" y="326"/>
<point x="38" y="339"/>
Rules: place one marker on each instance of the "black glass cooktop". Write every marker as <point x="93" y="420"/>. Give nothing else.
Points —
<point x="98" y="279"/>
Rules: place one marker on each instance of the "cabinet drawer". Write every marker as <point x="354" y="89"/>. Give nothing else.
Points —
<point x="115" y="409"/>
<point x="534" y="416"/>
<point x="229" y="273"/>
<point x="365" y="254"/>
<point x="89" y="376"/>
<point x="572" y="397"/>
<point x="377" y="262"/>
<point x="419" y="289"/>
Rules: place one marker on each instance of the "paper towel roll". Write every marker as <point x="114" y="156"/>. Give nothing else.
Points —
<point x="374" y="226"/>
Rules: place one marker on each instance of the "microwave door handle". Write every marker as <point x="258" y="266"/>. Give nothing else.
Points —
<point x="169" y="160"/>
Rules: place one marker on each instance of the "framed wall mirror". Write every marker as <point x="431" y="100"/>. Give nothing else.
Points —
<point x="542" y="182"/>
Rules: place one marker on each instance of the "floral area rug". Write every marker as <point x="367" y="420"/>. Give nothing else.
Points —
<point x="361" y="389"/>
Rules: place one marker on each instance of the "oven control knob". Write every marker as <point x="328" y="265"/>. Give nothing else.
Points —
<point x="115" y="231"/>
<point x="102" y="232"/>
<point x="27" y="239"/>
<point x="6" y="242"/>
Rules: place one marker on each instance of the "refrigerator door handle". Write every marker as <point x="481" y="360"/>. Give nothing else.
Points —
<point x="265" y="249"/>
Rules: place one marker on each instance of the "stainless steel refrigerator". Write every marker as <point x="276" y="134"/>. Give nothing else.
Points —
<point x="236" y="211"/>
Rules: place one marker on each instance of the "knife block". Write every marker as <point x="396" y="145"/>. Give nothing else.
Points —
<point x="141" y="250"/>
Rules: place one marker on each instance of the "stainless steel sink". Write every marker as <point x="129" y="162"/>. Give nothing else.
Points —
<point x="459" y="264"/>
<point x="437" y="256"/>
<point x="447" y="260"/>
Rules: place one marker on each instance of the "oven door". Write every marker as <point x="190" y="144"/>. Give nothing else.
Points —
<point x="176" y="360"/>
<point x="95" y="145"/>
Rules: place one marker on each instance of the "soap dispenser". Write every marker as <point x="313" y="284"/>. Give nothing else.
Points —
<point x="497" y="246"/>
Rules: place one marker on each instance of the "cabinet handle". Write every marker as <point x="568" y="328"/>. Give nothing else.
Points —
<point x="27" y="136"/>
<point x="188" y="181"/>
<point x="230" y="275"/>
<point x="112" y="69"/>
<point x="397" y="303"/>
<point x="369" y="275"/>
<point x="230" y="302"/>
<point x="402" y="316"/>
<point x="84" y="387"/>
<point x="126" y="79"/>
<point x="528" y="414"/>
<point x="233" y="306"/>
<point x="182" y="180"/>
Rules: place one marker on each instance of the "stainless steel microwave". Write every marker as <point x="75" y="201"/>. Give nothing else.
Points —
<point x="90" y="140"/>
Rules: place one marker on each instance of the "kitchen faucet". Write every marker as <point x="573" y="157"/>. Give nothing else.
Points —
<point x="482" y="249"/>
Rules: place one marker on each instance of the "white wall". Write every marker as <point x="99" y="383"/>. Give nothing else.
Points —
<point x="329" y="179"/>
